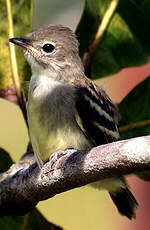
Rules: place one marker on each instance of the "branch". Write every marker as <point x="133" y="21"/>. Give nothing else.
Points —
<point x="24" y="184"/>
<point x="13" y="61"/>
<point x="135" y="125"/>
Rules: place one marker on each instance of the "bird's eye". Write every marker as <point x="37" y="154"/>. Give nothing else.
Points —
<point x="48" y="48"/>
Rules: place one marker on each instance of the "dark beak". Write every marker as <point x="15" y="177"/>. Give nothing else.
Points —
<point x="22" y="42"/>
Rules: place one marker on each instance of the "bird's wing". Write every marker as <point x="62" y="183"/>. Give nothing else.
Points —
<point x="96" y="114"/>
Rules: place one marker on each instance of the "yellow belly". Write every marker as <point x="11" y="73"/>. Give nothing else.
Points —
<point x="51" y="116"/>
<point x="60" y="139"/>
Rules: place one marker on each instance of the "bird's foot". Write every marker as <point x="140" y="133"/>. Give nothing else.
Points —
<point x="55" y="156"/>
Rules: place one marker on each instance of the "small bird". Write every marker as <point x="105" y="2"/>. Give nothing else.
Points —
<point x="67" y="110"/>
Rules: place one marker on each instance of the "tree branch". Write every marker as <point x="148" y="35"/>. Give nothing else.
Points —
<point x="24" y="184"/>
<point x="13" y="61"/>
<point x="135" y="125"/>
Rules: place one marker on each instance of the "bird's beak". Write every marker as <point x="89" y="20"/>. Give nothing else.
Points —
<point x="22" y="42"/>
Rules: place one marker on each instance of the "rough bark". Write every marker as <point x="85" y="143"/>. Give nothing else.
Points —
<point x="24" y="184"/>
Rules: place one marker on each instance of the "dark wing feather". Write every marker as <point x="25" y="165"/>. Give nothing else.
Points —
<point x="98" y="115"/>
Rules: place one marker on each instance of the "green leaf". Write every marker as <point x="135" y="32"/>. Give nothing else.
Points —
<point x="5" y="160"/>
<point x="22" y="14"/>
<point x="31" y="221"/>
<point x="126" y="41"/>
<point x="135" y="108"/>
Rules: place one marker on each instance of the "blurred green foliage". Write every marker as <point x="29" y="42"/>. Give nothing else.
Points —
<point x="135" y="107"/>
<point x="22" y="18"/>
<point x="126" y="41"/>
<point x="5" y="160"/>
<point x="32" y="221"/>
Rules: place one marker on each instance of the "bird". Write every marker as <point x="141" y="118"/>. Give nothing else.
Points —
<point x="65" y="108"/>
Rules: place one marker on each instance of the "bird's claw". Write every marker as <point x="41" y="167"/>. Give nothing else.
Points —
<point x="55" y="156"/>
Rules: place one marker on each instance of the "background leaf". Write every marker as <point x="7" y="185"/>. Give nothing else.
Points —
<point x="22" y="14"/>
<point x="31" y="221"/>
<point x="5" y="160"/>
<point x="126" y="41"/>
<point x="135" y="108"/>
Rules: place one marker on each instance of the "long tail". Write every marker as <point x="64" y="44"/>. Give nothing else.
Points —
<point x="125" y="202"/>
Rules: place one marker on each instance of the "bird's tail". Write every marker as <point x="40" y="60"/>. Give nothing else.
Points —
<point x="125" y="202"/>
<point x="120" y="194"/>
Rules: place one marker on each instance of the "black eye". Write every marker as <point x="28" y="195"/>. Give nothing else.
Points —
<point x="48" y="48"/>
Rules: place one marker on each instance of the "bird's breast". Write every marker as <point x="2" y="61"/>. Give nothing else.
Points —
<point x="51" y="117"/>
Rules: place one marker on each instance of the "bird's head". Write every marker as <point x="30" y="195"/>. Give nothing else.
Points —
<point x="52" y="48"/>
